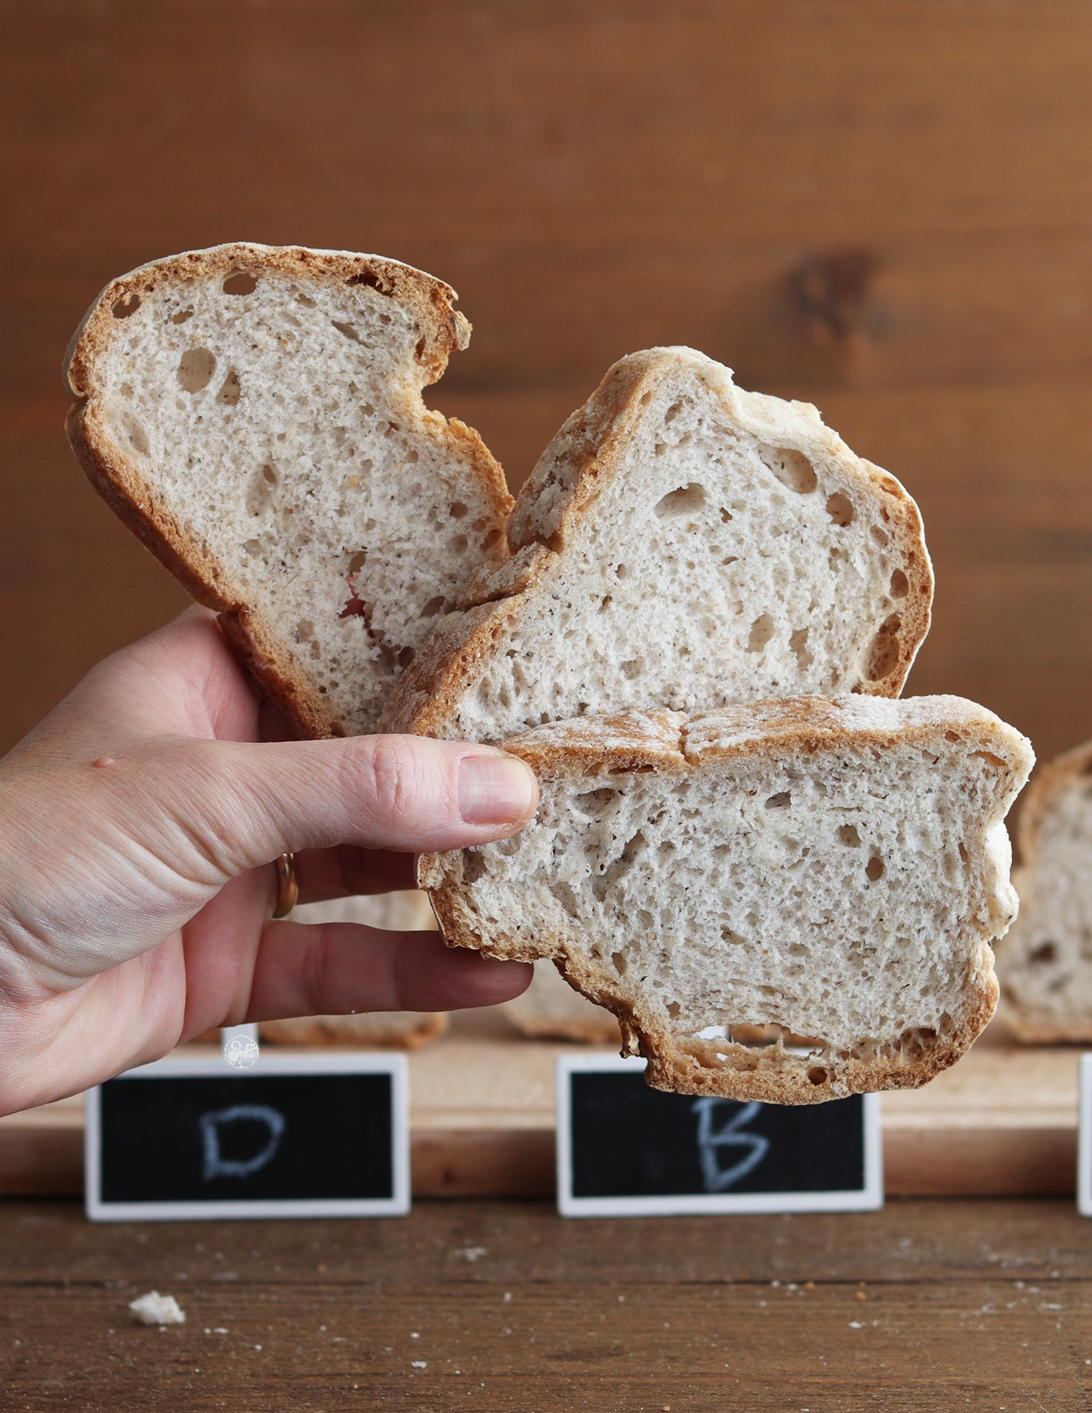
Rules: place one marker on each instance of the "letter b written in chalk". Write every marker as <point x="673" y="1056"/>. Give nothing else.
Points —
<point x="215" y="1165"/>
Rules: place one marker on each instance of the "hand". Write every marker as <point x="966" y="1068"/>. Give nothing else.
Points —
<point x="138" y="825"/>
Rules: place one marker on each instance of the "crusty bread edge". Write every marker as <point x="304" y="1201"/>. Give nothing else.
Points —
<point x="770" y="1074"/>
<point x="119" y="480"/>
<point x="594" y="440"/>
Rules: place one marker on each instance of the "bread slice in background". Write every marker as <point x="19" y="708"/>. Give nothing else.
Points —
<point x="550" y="1009"/>
<point x="1045" y="963"/>
<point x="680" y="544"/>
<point x="254" y="415"/>
<point x="835" y="869"/>
<point x="402" y="911"/>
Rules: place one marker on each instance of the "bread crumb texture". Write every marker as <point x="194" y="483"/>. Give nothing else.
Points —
<point x="1045" y="963"/>
<point x="830" y="874"/>
<point x="255" y="414"/>
<point x="681" y="543"/>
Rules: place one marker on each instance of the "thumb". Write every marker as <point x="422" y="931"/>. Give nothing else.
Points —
<point x="239" y="804"/>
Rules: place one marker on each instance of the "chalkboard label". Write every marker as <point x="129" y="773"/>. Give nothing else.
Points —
<point x="1084" y="1137"/>
<point x="626" y="1150"/>
<point x="290" y="1136"/>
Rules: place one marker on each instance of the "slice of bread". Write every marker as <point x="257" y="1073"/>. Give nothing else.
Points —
<point x="835" y="869"/>
<point x="254" y="414"/>
<point x="680" y="544"/>
<point x="1045" y="963"/>
<point x="551" y="1009"/>
<point x="403" y="911"/>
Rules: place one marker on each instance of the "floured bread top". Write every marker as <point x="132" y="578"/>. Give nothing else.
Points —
<point x="837" y="870"/>
<point x="1045" y="963"/>
<point x="681" y="543"/>
<point x="255" y="415"/>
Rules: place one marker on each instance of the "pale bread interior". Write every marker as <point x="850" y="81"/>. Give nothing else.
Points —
<point x="683" y="544"/>
<point x="837" y="870"/>
<point x="269" y="417"/>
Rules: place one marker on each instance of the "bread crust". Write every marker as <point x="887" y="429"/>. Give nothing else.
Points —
<point x="670" y="743"/>
<point x="137" y="502"/>
<point x="587" y="454"/>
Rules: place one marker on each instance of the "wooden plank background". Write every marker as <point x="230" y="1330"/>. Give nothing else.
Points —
<point x="884" y="208"/>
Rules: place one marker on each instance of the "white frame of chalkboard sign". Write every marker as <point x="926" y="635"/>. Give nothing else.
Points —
<point x="1084" y="1136"/>
<point x="183" y="1066"/>
<point x="868" y="1198"/>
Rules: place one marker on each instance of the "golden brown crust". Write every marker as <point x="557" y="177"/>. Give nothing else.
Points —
<point x="137" y="503"/>
<point x="659" y="741"/>
<point x="582" y="460"/>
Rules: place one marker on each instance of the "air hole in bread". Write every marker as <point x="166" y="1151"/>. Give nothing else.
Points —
<point x="604" y="882"/>
<point x="253" y="548"/>
<point x="126" y="305"/>
<point x="346" y="329"/>
<point x="879" y="535"/>
<point x="883" y="655"/>
<point x="473" y="866"/>
<point x="874" y="869"/>
<point x="230" y="391"/>
<point x="645" y="399"/>
<point x="989" y="758"/>
<point x="240" y="283"/>
<point x="798" y="643"/>
<point x="372" y="281"/>
<point x="259" y="493"/>
<point x="792" y="468"/>
<point x="458" y="543"/>
<point x="605" y="603"/>
<point x="182" y="316"/>
<point x="488" y="541"/>
<point x="405" y="656"/>
<point x="138" y="438"/>
<point x="304" y="630"/>
<point x="195" y="369"/>
<point x="687" y="500"/>
<point x="840" y="509"/>
<point x="847" y="833"/>
<point x="1045" y="952"/>
<point x="780" y="801"/>
<point x="632" y="669"/>
<point x="900" y="585"/>
<point x="433" y="607"/>
<point x="620" y="571"/>
<point x="593" y="802"/>
<point x="762" y="630"/>
<point x="457" y="510"/>
<point x="963" y="852"/>
<point x="419" y="351"/>
<point x="817" y="1075"/>
<point x="725" y="516"/>
<point x="358" y="561"/>
<point x="891" y="488"/>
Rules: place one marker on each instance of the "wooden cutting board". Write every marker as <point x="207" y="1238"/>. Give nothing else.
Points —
<point x="1003" y="1122"/>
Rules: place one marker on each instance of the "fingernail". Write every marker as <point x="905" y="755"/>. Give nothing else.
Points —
<point x="494" y="789"/>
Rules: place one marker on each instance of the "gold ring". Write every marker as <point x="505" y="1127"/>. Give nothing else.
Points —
<point x="288" y="885"/>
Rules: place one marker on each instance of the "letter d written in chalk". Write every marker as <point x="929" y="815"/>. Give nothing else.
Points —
<point x="217" y="1166"/>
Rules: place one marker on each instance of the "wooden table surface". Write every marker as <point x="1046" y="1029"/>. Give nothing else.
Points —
<point x="924" y="1307"/>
